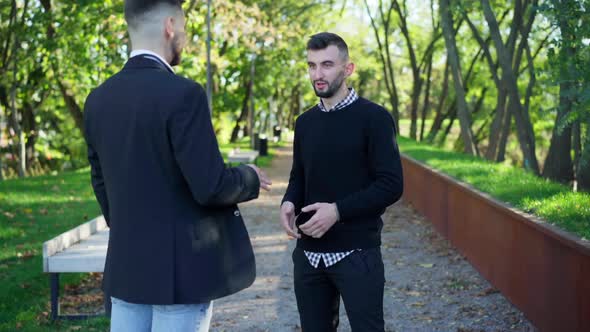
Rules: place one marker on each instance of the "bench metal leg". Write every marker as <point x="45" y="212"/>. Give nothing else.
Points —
<point x="107" y="305"/>
<point x="54" y="286"/>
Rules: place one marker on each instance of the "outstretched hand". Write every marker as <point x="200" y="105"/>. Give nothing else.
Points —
<point x="265" y="182"/>
<point x="326" y="215"/>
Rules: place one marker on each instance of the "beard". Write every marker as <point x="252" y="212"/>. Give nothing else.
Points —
<point x="176" y="50"/>
<point x="332" y="87"/>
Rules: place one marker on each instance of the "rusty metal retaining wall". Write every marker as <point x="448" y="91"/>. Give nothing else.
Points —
<point x="542" y="270"/>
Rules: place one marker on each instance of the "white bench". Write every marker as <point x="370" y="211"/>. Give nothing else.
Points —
<point x="237" y="156"/>
<point x="79" y="250"/>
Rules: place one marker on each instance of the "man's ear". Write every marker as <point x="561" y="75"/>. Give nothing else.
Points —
<point x="349" y="69"/>
<point x="169" y="27"/>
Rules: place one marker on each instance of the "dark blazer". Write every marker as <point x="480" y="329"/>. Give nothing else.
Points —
<point x="176" y="234"/>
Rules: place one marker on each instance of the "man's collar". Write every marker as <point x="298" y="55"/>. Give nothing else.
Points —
<point x="149" y="53"/>
<point x="349" y="99"/>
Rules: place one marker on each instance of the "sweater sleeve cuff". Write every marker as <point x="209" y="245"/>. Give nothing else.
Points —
<point x="342" y="210"/>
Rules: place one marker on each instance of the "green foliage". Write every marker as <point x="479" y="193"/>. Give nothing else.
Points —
<point x="33" y="211"/>
<point x="569" y="53"/>
<point x="551" y="201"/>
<point x="77" y="45"/>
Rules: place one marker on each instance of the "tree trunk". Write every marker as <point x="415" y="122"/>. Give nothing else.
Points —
<point x="584" y="165"/>
<point x="426" y="106"/>
<point x="496" y="127"/>
<point x="439" y="116"/>
<point x="480" y="134"/>
<point x="558" y="164"/>
<point x="243" y="112"/>
<point x="523" y="123"/>
<point x="452" y="116"/>
<point x="251" y="112"/>
<point x="294" y="107"/>
<point x="30" y="128"/>
<point x="476" y="109"/>
<point x="21" y="166"/>
<point x="72" y="106"/>
<point x="385" y="56"/>
<point x="576" y="146"/>
<point x="69" y="98"/>
<point x="462" y="109"/>
<point x="506" y="126"/>
<point x="416" y="72"/>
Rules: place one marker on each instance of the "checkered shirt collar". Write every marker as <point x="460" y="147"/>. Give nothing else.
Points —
<point x="350" y="98"/>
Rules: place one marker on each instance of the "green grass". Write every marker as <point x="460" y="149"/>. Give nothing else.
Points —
<point x="32" y="211"/>
<point x="551" y="201"/>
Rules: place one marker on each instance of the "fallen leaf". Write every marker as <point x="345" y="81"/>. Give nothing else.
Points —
<point x="9" y="215"/>
<point x="43" y="212"/>
<point x="414" y="293"/>
<point x="488" y="291"/>
<point x="427" y="266"/>
<point x="418" y="304"/>
<point x="28" y="211"/>
<point x="26" y="254"/>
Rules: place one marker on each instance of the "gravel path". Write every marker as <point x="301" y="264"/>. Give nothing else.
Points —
<point x="430" y="287"/>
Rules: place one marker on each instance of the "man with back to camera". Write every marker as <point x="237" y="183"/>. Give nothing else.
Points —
<point x="346" y="171"/>
<point x="177" y="240"/>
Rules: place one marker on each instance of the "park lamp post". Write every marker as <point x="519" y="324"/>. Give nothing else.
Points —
<point x="251" y="112"/>
<point x="209" y="73"/>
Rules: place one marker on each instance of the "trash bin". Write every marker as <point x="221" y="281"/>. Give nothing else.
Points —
<point x="263" y="146"/>
<point x="256" y="142"/>
<point x="276" y="132"/>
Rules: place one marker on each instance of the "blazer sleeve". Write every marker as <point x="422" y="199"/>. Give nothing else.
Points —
<point x="197" y="154"/>
<point x="96" y="177"/>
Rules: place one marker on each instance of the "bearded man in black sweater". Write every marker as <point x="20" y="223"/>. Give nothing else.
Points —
<point x="346" y="171"/>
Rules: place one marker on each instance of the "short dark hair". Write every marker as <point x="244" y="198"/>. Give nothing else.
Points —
<point x="136" y="8"/>
<point x="322" y="40"/>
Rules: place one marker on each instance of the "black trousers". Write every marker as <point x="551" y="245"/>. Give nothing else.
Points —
<point x="359" y="279"/>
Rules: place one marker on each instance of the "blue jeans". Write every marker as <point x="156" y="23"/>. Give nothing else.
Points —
<point x="131" y="317"/>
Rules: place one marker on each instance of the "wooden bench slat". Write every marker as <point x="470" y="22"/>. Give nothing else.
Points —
<point x="85" y="256"/>
<point x="242" y="156"/>
<point x="70" y="238"/>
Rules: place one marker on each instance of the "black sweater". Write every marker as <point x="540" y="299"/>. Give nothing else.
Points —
<point x="349" y="157"/>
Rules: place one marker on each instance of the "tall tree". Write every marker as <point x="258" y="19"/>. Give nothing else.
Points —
<point x="523" y="123"/>
<point x="558" y="164"/>
<point x="383" y="44"/>
<point x="455" y="64"/>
